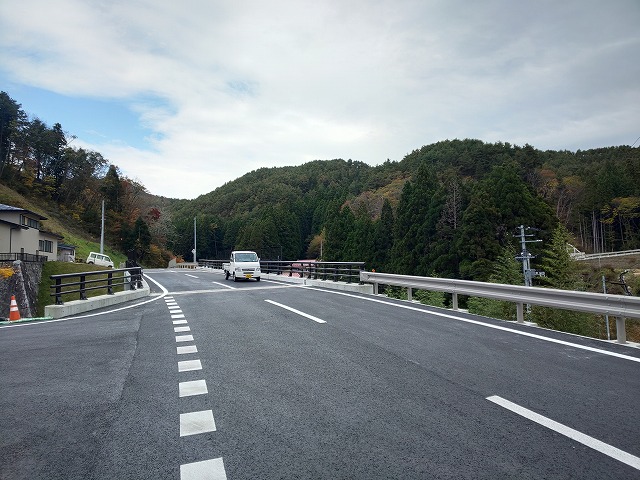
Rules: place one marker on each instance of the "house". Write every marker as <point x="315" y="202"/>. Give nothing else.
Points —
<point x="21" y="236"/>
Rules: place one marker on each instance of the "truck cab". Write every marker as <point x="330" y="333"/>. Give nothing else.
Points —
<point x="243" y="264"/>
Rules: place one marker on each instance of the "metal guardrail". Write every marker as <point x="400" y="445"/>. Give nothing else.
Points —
<point x="595" y="256"/>
<point x="336" y="271"/>
<point x="620" y="306"/>
<point x="90" y="281"/>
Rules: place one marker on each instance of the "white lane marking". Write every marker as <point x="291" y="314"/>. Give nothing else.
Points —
<point x="193" y="423"/>
<point x="189" y="365"/>
<point x="579" y="437"/>
<point x="179" y="315"/>
<point x="179" y="322"/>
<point x="186" y="349"/>
<point x="306" y="315"/>
<point x="173" y="306"/>
<point x="225" y="285"/>
<point x="181" y="329"/>
<point x="184" y="338"/>
<point x="206" y="470"/>
<point x="237" y="290"/>
<point x="488" y="325"/>
<point x="195" y="387"/>
<point x="188" y="275"/>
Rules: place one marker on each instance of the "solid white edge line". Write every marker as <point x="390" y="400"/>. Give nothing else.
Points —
<point x="225" y="286"/>
<point x="306" y="315"/>
<point x="488" y="325"/>
<point x="573" y="434"/>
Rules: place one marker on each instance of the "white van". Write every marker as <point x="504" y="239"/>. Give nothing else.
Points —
<point x="100" y="259"/>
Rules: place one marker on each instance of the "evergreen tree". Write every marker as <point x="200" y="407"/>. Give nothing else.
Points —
<point x="506" y="270"/>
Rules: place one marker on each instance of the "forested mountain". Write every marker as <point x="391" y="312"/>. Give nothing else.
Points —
<point x="447" y="209"/>
<point x="450" y="209"/>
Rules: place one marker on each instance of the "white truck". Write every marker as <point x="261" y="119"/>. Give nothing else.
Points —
<point x="242" y="264"/>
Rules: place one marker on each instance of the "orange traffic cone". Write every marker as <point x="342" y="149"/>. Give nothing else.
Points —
<point x="14" y="313"/>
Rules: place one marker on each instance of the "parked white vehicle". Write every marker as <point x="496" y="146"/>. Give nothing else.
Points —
<point x="100" y="259"/>
<point x="242" y="264"/>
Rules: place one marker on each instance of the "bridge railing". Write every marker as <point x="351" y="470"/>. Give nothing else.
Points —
<point x="217" y="264"/>
<point x="335" y="271"/>
<point x="105" y="280"/>
<point x="619" y="306"/>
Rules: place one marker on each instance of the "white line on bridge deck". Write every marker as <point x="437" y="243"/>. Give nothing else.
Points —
<point x="483" y="324"/>
<point x="205" y="470"/>
<point x="306" y="315"/>
<point x="193" y="423"/>
<point x="580" y="437"/>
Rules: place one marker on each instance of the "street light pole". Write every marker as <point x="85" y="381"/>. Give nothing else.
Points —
<point x="194" y="240"/>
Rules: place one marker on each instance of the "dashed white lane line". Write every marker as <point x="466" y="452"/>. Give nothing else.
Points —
<point x="180" y="315"/>
<point x="189" y="365"/>
<point x="306" y="315"/>
<point x="188" y="275"/>
<point x="206" y="470"/>
<point x="173" y="308"/>
<point x="184" y="338"/>
<point x="186" y="349"/>
<point x="580" y="437"/>
<point x="179" y="322"/>
<point x="225" y="285"/>
<point x="193" y="423"/>
<point x="196" y="387"/>
<point x="181" y="329"/>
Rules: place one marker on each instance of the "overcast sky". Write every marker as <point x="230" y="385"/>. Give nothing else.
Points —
<point x="185" y="96"/>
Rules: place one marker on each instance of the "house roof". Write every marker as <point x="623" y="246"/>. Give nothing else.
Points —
<point x="13" y="224"/>
<point x="11" y="208"/>
<point x="52" y="234"/>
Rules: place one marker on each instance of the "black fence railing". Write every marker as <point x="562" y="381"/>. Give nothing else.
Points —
<point x="108" y="280"/>
<point x="336" y="271"/>
<point x="211" y="263"/>
<point x="25" y="257"/>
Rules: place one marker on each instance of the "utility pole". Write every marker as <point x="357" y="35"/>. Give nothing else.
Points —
<point x="102" y="230"/>
<point x="525" y="257"/>
<point x="194" y="240"/>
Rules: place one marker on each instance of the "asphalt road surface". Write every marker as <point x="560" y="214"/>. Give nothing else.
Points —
<point x="214" y="379"/>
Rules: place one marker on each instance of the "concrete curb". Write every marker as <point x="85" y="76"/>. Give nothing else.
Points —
<point x="75" y="307"/>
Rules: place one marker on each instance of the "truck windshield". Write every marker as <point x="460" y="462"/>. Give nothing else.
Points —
<point x="246" y="257"/>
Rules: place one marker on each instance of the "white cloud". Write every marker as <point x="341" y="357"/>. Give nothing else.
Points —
<point x="228" y="87"/>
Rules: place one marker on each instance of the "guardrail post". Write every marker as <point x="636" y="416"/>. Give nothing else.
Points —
<point x="520" y="312"/>
<point x="410" y="294"/>
<point x="83" y="292"/>
<point x="110" y="283"/>
<point x="59" y="292"/>
<point x="621" y="333"/>
<point x="375" y="288"/>
<point x="454" y="299"/>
